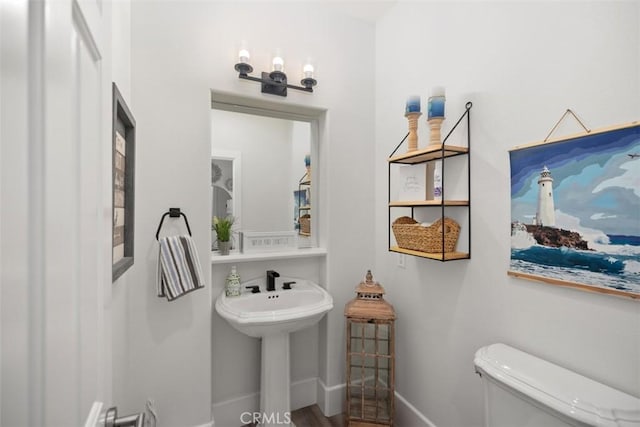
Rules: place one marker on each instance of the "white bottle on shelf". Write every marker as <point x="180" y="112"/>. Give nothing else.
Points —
<point x="437" y="181"/>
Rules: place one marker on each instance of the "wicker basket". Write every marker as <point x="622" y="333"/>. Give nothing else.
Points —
<point x="305" y="224"/>
<point x="411" y="235"/>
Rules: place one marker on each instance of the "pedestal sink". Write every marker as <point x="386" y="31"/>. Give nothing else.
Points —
<point x="272" y="316"/>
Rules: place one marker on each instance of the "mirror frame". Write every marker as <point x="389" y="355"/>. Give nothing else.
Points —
<point x="317" y="117"/>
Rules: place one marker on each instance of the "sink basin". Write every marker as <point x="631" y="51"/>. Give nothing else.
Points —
<point x="282" y="310"/>
<point x="272" y="316"/>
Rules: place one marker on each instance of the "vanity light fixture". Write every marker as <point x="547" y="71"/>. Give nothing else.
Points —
<point x="275" y="82"/>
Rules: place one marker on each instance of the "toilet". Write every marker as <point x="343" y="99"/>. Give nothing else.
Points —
<point x="522" y="390"/>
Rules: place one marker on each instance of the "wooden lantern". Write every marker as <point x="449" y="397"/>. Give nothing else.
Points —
<point x="370" y="357"/>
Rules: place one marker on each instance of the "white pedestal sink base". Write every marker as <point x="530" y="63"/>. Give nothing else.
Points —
<point x="272" y="316"/>
<point x="275" y="399"/>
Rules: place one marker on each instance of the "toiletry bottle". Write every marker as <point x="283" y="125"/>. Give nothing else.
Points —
<point x="437" y="181"/>
<point x="232" y="288"/>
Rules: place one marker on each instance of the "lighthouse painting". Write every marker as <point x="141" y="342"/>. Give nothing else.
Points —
<point x="575" y="211"/>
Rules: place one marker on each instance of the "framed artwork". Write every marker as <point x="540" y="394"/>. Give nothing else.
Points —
<point x="123" y="170"/>
<point x="575" y="211"/>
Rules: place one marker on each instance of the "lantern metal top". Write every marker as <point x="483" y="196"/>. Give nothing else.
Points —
<point x="369" y="303"/>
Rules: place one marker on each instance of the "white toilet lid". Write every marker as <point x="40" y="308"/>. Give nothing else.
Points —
<point x="563" y="390"/>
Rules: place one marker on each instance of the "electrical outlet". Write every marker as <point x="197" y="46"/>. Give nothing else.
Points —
<point x="401" y="260"/>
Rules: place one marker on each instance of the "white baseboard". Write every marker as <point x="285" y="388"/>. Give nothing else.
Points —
<point x="304" y="393"/>
<point x="331" y="400"/>
<point x="209" y="424"/>
<point x="307" y="392"/>
<point x="228" y="412"/>
<point x="408" y="415"/>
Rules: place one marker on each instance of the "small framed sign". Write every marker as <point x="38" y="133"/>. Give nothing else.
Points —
<point x="268" y="241"/>
<point x="413" y="183"/>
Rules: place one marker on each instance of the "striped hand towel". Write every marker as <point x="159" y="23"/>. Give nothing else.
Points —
<point x="179" y="269"/>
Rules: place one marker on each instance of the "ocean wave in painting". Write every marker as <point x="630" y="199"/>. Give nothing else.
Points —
<point x="615" y="266"/>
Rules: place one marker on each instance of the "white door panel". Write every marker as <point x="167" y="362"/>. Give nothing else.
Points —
<point x="88" y="143"/>
<point x="53" y="213"/>
<point x="14" y="325"/>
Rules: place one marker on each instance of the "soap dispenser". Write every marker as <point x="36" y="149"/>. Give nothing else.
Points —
<point x="232" y="287"/>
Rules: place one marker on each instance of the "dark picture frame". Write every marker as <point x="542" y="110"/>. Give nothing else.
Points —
<point x="123" y="185"/>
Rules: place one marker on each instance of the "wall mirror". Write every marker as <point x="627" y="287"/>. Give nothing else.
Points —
<point x="261" y="173"/>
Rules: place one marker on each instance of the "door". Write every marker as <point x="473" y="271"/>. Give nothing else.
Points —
<point x="54" y="212"/>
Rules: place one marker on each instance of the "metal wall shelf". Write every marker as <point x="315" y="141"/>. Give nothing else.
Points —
<point x="428" y="154"/>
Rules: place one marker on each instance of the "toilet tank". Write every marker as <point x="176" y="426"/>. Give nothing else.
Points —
<point x="522" y="390"/>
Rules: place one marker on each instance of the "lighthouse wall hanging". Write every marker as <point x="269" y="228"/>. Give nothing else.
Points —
<point x="575" y="211"/>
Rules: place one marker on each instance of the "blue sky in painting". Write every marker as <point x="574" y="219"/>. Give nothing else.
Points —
<point x="595" y="183"/>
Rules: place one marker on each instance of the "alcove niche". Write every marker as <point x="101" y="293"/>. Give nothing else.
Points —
<point x="228" y="156"/>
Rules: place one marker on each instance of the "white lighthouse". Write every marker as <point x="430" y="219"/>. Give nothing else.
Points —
<point x="546" y="211"/>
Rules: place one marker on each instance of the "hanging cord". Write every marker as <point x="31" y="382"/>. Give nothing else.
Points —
<point x="152" y="417"/>
<point x="586" y="129"/>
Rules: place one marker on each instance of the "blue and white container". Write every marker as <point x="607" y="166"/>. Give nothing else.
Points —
<point x="413" y="105"/>
<point x="435" y="105"/>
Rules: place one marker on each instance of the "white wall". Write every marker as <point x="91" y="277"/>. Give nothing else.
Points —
<point x="121" y="289"/>
<point x="181" y="50"/>
<point x="522" y="65"/>
<point x="121" y="47"/>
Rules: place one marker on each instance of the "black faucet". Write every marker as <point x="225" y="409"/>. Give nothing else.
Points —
<point x="271" y="280"/>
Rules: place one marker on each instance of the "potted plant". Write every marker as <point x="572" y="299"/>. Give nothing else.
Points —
<point x="222" y="227"/>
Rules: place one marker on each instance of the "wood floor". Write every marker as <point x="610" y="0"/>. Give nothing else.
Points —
<point x="311" y="416"/>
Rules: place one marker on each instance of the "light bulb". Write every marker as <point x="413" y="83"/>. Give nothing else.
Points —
<point x="308" y="71"/>
<point x="278" y="63"/>
<point x="244" y="56"/>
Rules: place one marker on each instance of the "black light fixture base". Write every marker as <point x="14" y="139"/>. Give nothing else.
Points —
<point x="243" y="68"/>
<point x="309" y="83"/>
<point x="276" y="85"/>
